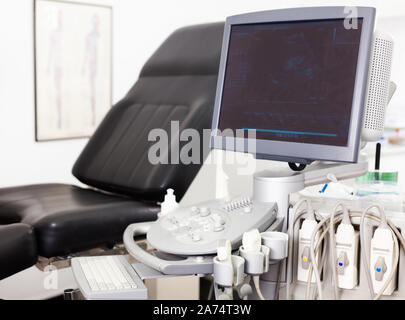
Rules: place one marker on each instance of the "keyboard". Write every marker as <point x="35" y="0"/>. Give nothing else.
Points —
<point x="108" y="277"/>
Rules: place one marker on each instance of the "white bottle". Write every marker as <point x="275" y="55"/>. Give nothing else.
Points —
<point x="169" y="204"/>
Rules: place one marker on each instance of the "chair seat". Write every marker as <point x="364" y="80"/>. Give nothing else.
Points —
<point x="17" y="249"/>
<point x="69" y="219"/>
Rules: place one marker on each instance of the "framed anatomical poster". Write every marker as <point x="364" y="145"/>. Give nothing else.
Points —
<point x="73" y="68"/>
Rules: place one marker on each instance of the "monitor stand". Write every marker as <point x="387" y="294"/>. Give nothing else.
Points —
<point x="297" y="167"/>
<point x="276" y="186"/>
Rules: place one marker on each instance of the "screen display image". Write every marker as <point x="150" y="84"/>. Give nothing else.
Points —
<point x="291" y="81"/>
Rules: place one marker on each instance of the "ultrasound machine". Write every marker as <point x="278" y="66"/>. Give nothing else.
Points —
<point x="307" y="87"/>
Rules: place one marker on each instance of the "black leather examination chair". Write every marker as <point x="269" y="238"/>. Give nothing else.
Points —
<point x="17" y="249"/>
<point x="177" y="83"/>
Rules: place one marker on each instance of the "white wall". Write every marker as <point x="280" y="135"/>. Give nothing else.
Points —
<point x="139" y="28"/>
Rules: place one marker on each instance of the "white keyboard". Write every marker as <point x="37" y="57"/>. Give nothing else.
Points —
<point x="108" y="277"/>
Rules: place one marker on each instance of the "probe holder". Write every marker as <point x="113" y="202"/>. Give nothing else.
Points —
<point x="256" y="263"/>
<point x="277" y="242"/>
<point x="229" y="275"/>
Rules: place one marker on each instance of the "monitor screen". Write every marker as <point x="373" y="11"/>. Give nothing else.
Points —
<point x="291" y="81"/>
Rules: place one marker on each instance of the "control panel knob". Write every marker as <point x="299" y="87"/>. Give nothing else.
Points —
<point x="204" y="212"/>
<point x="218" y="219"/>
<point x="218" y="227"/>
<point x="196" y="237"/>
<point x="194" y="210"/>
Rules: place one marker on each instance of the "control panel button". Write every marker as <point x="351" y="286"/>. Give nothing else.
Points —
<point x="247" y="210"/>
<point x="237" y="204"/>
<point x="204" y="212"/>
<point x="218" y="227"/>
<point x="218" y="219"/>
<point x="195" y="210"/>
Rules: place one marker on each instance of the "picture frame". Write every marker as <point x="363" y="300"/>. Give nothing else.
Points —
<point x="73" y="68"/>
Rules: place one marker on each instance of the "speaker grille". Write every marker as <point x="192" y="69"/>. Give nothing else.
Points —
<point x="378" y="88"/>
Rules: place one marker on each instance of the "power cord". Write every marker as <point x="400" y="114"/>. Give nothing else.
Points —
<point x="256" y="281"/>
<point x="291" y="232"/>
<point x="280" y="271"/>
<point x="323" y="260"/>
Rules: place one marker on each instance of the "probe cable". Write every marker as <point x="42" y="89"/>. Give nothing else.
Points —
<point x="395" y="234"/>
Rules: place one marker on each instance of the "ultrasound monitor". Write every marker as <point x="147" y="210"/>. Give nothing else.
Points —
<point x="297" y="78"/>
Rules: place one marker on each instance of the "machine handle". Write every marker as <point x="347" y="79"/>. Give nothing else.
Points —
<point x="197" y="265"/>
<point x="139" y="229"/>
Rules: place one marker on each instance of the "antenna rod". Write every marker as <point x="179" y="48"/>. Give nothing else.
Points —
<point x="377" y="156"/>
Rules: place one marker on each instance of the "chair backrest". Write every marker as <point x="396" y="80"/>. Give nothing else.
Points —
<point x="178" y="83"/>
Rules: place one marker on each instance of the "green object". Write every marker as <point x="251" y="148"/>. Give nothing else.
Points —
<point x="377" y="176"/>
<point x="377" y="183"/>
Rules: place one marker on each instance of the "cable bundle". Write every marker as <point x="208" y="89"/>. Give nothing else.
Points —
<point x="326" y="225"/>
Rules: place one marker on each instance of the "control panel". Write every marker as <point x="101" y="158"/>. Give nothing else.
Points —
<point x="196" y="230"/>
